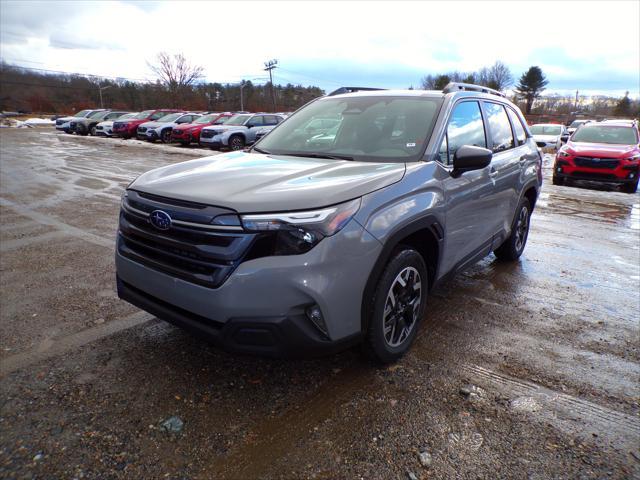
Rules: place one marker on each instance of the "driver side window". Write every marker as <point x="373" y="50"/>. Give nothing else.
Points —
<point x="465" y="128"/>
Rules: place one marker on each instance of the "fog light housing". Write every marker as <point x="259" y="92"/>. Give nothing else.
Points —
<point x="559" y="169"/>
<point x="315" y="315"/>
<point x="632" y="175"/>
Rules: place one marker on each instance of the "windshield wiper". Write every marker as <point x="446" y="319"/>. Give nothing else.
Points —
<point x="330" y="156"/>
<point x="260" y="150"/>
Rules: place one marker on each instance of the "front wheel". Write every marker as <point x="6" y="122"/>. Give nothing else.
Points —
<point x="165" y="136"/>
<point x="92" y="130"/>
<point x="398" y="305"/>
<point x="557" y="180"/>
<point x="236" y="142"/>
<point x="513" y="246"/>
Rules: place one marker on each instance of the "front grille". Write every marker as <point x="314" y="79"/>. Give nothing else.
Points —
<point x="592" y="162"/>
<point x="118" y="125"/>
<point x="207" y="134"/>
<point x="196" y="252"/>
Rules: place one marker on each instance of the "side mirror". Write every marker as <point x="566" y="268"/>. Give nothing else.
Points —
<point x="469" y="157"/>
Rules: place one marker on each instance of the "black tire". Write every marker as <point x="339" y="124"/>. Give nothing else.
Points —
<point x="557" y="180"/>
<point x="81" y="131"/>
<point x="92" y="130"/>
<point x="236" y="142"/>
<point x="513" y="246"/>
<point x="384" y="342"/>
<point x="165" y="136"/>
<point x="630" y="187"/>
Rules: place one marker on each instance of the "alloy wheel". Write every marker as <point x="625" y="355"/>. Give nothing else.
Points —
<point x="402" y="306"/>
<point x="522" y="227"/>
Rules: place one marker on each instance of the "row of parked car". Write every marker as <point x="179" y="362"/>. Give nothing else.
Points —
<point x="215" y="130"/>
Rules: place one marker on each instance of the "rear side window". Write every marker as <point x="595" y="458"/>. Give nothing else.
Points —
<point x="465" y="128"/>
<point x="271" y="120"/>
<point x="499" y="126"/>
<point x="521" y="134"/>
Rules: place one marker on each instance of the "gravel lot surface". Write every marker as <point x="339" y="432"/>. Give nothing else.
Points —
<point x="526" y="370"/>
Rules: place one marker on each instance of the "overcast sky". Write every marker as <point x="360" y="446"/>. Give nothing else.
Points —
<point x="587" y="45"/>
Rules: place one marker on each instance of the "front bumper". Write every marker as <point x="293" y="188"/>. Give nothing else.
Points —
<point x="261" y="307"/>
<point x="623" y="174"/>
<point x="212" y="142"/>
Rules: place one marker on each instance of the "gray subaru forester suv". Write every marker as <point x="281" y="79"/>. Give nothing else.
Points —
<point x="314" y="240"/>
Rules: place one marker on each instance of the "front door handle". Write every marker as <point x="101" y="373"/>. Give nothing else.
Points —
<point x="523" y="158"/>
<point x="493" y="172"/>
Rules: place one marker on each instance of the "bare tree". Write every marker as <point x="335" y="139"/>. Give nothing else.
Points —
<point x="497" y="76"/>
<point x="176" y="73"/>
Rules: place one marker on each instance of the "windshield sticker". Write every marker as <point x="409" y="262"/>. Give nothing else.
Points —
<point x="409" y="145"/>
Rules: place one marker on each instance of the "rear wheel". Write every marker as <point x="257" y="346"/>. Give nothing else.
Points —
<point x="398" y="305"/>
<point x="513" y="246"/>
<point x="236" y="142"/>
<point x="92" y="130"/>
<point x="630" y="187"/>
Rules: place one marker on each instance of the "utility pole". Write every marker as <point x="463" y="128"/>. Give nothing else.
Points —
<point x="100" y="90"/>
<point x="575" y="105"/>
<point x="270" y="65"/>
<point x="242" y="85"/>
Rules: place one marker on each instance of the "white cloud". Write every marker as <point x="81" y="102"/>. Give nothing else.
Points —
<point x="233" y="39"/>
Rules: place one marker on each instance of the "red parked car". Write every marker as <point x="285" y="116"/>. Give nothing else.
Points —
<point x="190" y="132"/>
<point x="127" y="128"/>
<point x="601" y="152"/>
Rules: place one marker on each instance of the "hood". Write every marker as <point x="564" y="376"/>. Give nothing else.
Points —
<point x="546" y="138"/>
<point x="224" y="128"/>
<point x="187" y="127"/>
<point x="106" y="123"/>
<point x="151" y="124"/>
<point x="251" y="182"/>
<point x="599" y="149"/>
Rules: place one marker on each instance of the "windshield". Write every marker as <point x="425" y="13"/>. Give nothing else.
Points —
<point x="98" y="114"/>
<point x="207" y="118"/>
<point x="577" y="123"/>
<point x="372" y="128"/>
<point x="546" y="129"/>
<point x="143" y="115"/>
<point x="81" y="113"/>
<point x="169" y="118"/>
<point x="128" y="115"/>
<point x="602" y="134"/>
<point x="237" y="120"/>
<point x="222" y="120"/>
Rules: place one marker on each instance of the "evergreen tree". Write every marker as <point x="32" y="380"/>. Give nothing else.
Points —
<point x="532" y="83"/>
<point x="623" y="108"/>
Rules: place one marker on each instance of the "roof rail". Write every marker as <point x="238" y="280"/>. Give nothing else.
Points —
<point x="455" y="86"/>
<point x="342" y="90"/>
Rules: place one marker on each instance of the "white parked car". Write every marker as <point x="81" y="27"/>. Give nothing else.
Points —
<point x="577" y="124"/>
<point x="105" y="129"/>
<point x="64" y="123"/>
<point x="548" y="135"/>
<point x="161" y="129"/>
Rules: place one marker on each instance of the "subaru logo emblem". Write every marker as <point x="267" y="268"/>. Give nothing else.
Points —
<point x="596" y="159"/>
<point x="161" y="220"/>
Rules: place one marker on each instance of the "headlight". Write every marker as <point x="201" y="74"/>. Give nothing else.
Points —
<point x="634" y="158"/>
<point x="563" y="154"/>
<point x="299" y="232"/>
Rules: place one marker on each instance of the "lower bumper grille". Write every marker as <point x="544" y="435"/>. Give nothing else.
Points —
<point x="591" y="162"/>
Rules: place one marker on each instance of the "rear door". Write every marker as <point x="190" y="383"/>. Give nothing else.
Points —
<point x="505" y="167"/>
<point x="470" y="205"/>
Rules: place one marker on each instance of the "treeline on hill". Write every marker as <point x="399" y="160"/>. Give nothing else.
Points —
<point x="527" y="93"/>
<point x="27" y="90"/>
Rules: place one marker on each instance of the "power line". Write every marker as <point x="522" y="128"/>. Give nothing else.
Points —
<point x="76" y="73"/>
